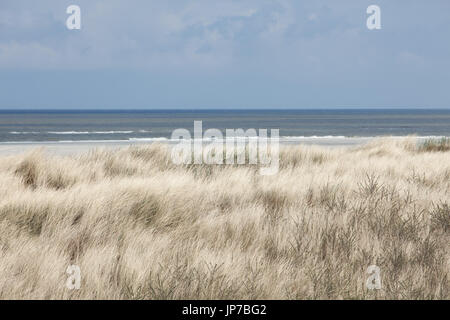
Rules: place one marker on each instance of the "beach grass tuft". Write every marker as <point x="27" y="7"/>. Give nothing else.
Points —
<point x="435" y="145"/>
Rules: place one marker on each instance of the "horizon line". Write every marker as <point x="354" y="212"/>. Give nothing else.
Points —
<point x="224" y="109"/>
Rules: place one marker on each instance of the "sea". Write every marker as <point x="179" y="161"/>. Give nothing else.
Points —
<point x="65" y="126"/>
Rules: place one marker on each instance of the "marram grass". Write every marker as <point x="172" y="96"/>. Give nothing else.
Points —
<point x="140" y="227"/>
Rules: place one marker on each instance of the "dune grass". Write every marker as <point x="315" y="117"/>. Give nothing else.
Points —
<point x="140" y="227"/>
<point x="442" y="145"/>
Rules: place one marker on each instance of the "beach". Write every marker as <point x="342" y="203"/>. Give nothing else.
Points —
<point x="76" y="147"/>
<point x="214" y="152"/>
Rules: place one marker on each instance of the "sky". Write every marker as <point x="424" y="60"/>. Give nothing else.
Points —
<point x="278" y="54"/>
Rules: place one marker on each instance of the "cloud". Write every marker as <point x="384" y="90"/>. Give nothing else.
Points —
<point x="200" y="34"/>
<point x="118" y="34"/>
<point x="281" y="50"/>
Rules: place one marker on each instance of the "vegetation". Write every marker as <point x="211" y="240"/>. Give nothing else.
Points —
<point x="140" y="227"/>
<point x="436" y="145"/>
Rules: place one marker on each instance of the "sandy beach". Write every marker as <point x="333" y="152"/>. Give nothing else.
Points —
<point x="68" y="148"/>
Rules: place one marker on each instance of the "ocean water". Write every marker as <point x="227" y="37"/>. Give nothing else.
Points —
<point x="108" y="125"/>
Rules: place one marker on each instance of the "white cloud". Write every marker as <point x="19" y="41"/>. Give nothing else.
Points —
<point x="148" y="33"/>
<point x="200" y="35"/>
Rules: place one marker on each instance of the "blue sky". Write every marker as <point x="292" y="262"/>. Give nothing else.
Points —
<point x="224" y="54"/>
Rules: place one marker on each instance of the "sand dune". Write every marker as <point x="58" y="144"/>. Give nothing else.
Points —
<point x="140" y="227"/>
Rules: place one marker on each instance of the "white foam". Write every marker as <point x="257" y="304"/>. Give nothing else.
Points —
<point x="149" y="139"/>
<point x="75" y="132"/>
<point x="88" y="132"/>
<point x="24" y="132"/>
<point x="312" y="137"/>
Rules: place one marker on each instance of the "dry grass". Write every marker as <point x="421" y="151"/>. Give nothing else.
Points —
<point x="433" y="145"/>
<point x="140" y="227"/>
